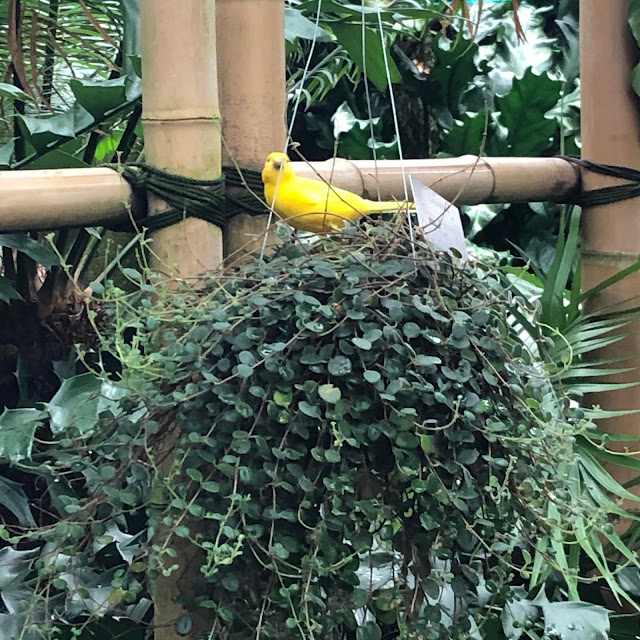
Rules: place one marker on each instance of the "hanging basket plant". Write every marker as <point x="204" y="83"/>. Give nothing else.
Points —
<point x="368" y="448"/>
<point x="349" y="440"/>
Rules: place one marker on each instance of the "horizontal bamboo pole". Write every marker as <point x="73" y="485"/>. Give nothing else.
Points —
<point x="465" y="180"/>
<point x="56" y="199"/>
<point x="43" y="200"/>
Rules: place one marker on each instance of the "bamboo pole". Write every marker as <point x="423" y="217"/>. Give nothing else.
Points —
<point x="55" y="199"/>
<point x="181" y="119"/>
<point x="252" y="96"/>
<point x="182" y="134"/>
<point x="43" y="200"/>
<point x="611" y="134"/>
<point x="465" y="180"/>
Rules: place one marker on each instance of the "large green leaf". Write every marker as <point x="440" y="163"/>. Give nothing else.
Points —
<point x="522" y="112"/>
<point x="15" y="566"/>
<point x="12" y="626"/>
<point x="511" y="55"/>
<point x="74" y="408"/>
<point x="7" y="292"/>
<point x="17" y="430"/>
<point x="108" y="145"/>
<point x="37" y="251"/>
<point x="354" y="136"/>
<point x="452" y="75"/>
<point x="131" y="37"/>
<point x="635" y="79"/>
<point x="75" y="405"/>
<point x="98" y="98"/>
<point x="350" y="37"/>
<point x="467" y="135"/>
<point x="576" y="620"/>
<point x="296" y="25"/>
<point x="79" y="402"/>
<point x="6" y="153"/>
<point x="42" y="131"/>
<point x="15" y="500"/>
<point x="634" y="19"/>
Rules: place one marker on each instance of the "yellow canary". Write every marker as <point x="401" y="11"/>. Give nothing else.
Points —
<point x="313" y="205"/>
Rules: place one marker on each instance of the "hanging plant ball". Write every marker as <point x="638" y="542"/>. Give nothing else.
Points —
<point x="362" y="452"/>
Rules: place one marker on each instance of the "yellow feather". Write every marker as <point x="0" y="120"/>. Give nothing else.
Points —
<point x="313" y="205"/>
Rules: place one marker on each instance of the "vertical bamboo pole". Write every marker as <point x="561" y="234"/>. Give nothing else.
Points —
<point x="251" y="54"/>
<point x="182" y="134"/>
<point x="611" y="134"/>
<point x="181" y="119"/>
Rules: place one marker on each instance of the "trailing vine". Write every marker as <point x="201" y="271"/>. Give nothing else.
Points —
<point x="352" y="432"/>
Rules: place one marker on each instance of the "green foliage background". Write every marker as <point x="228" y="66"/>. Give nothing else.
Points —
<point x="476" y="87"/>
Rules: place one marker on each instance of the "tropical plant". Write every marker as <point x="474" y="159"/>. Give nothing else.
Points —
<point x="364" y="432"/>
<point x="71" y="98"/>
<point x="569" y="338"/>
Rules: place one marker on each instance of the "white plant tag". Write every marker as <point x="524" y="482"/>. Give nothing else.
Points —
<point x="438" y="219"/>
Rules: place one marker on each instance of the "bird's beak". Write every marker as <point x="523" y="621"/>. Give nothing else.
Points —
<point x="277" y="164"/>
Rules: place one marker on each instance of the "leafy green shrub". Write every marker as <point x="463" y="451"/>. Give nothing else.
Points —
<point x="354" y="435"/>
<point x="347" y="405"/>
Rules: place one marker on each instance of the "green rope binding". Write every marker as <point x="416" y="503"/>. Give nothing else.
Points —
<point x="605" y="195"/>
<point x="187" y="197"/>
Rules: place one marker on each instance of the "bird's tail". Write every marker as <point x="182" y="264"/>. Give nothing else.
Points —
<point x="390" y="205"/>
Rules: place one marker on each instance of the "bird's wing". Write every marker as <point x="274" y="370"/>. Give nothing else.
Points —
<point x="317" y="197"/>
<point x="343" y="203"/>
